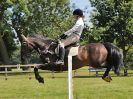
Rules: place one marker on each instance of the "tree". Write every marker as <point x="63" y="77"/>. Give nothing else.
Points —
<point x="47" y="17"/>
<point x="113" y="20"/>
<point x="7" y="45"/>
<point x="3" y="52"/>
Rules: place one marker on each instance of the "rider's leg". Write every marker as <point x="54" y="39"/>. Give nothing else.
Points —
<point x="61" y="54"/>
<point x="72" y="39"/>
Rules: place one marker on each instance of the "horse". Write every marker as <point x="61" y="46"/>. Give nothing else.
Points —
<point x="97" y="55"/>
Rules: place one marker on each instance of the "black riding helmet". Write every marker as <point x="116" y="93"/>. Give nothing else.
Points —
<point x="78" y="12"/>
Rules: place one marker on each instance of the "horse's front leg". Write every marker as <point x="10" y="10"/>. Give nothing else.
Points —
<point x="37" y="76"/>
<point x="106" y="75"/>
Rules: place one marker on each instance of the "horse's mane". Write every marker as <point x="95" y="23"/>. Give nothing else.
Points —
<point x="41" y="38"/>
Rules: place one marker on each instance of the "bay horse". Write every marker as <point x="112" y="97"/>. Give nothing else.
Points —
<point x="97" y="55"/>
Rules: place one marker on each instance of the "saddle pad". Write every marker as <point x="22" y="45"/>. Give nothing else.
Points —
<point x="73" y="51"/>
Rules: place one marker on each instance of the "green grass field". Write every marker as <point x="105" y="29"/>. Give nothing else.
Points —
<point x="85" y="87"/>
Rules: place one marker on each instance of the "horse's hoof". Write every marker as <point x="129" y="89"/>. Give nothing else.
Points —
<point x="110" y="77"/>
<point x="107" y="78"/>
<point x="41" y="80"/>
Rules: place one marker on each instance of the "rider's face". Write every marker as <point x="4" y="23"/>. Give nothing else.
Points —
<point x="76" y="16"/>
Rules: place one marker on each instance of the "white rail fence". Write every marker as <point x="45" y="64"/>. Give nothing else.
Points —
<point x="17" y="69"/>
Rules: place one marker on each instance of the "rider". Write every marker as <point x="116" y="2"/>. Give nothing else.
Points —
<point x="73" y="35"/>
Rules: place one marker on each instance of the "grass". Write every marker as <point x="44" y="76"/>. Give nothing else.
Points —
<point x="85" y="87"/>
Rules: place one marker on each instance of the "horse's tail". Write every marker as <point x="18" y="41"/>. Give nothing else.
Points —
<point x="115" y="57"/>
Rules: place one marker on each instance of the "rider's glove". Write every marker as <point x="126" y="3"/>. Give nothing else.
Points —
<point x="63" y="36"/>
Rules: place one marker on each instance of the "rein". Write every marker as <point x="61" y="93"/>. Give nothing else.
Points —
<point x="47" y="50"/>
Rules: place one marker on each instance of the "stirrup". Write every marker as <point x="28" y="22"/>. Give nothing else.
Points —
<point x="59" y="62"/>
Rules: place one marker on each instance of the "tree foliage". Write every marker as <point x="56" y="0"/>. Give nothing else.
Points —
<point x="47" y="17"/>
<point x="7" y="37"/>
<point x="113" y="22"/>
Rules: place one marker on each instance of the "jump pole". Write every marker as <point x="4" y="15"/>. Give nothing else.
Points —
<point x="70" y="85"/>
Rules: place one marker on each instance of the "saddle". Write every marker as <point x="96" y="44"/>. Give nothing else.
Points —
<point x="73" y="45"/>
<point x="71" y="49"/>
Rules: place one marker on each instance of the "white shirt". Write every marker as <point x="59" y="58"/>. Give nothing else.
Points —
<point x="77" y="28"/>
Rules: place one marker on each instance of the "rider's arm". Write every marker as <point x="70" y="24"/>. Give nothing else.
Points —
<point x="73" y="29"/>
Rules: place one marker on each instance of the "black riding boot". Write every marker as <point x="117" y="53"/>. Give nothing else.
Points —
<point x="61" y="56"/>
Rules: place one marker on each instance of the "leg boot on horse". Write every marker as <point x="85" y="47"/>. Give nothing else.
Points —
<point x="106" y="77"/>
<point x="37" y="76"/>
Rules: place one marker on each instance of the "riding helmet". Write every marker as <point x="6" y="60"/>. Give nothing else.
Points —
<point x="78" y="12"/>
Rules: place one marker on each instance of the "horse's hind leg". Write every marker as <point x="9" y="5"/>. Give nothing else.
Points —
<point x="37" y="76"/>
<point x="106" y="75"/>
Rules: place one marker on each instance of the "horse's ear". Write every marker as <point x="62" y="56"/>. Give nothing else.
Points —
<point x="24" y="38"/>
